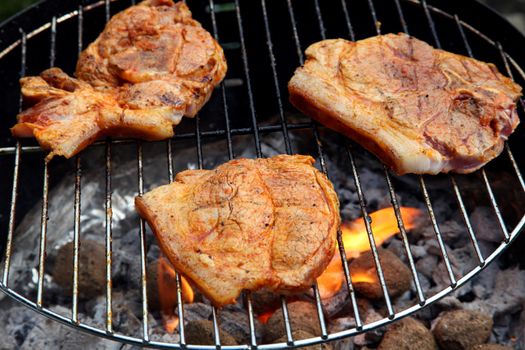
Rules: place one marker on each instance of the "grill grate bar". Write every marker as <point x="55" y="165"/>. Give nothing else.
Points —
<point x="404" y="237"/>
<point x="489" y="189"/>
<point x="507" y="67"/>
<point x="347" y="19"/>
<point x="248" y="81"/>
<point x="77" y="200"/>
<point x="295" y="32"/>
<point x="515" y="166"/>
<point x="109" y="218"/>
<point x="324" y="168"/>
<point x="269" y="42"/>
<point x="371" y="239"/>
<point x="362" y="201"/>
<point x="198" y="141"/>
<point x="320" y="313"/>
<point x="483" y="172"/>
<point x="509" y="71"/>
<point x="76" y="237"/>
<point x="284" y="305"/>
<point x="178" y="283"/>
<point x="507" y="147"/>
<point x="251" y="321"/>
<point x="52" y="51"/>
<point x="391" y="190"/>
<point x="180" y="308"/>
<point x="169" y="159"/>
<point x="322" y="27"/>
<point x="183" y="136"/>
<point x="216" y="330"/>
<point x="12" y="216"/>
<point x="464" y="213"/>
<point x="43" y="235"/>
<point x="457" y="191"/>
<point x="431" y="23"/>
<point x="506" y="64"/>
<point x="287" y="323"/>
<point x="45" y="188"/>
<point x="422" y="184"/>
<point x="437" y="231"/>
<point x="315" y="130"/>
<point x="395" y="204"/>
<point x="401" y="16"/>
<point x="231" y="154"/>
<point x="16" y="173"/>
<point x="495" y="206"/>
<point x="490" y="192"/>
<point x="107" y="9"/>
<point x="319" y="144"/>
<point x="397" y="212"/>
<point x="348" y="279"/>
<point x="143" y="256"/>
<point x="372" y="9"/>
<point x="322" y="163"/>
<point x="363" y="205"/>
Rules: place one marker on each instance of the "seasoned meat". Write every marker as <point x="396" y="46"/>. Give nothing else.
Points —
<point x="158" y="49"/>
<point x="69" y="114"/>
<point x="248" y="224"/>
<point x="64" y="118"/>
<point x="419" y="109"/>
<point x="152" y="65"/>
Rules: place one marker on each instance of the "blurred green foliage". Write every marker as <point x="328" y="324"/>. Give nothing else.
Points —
<point x="10" y="7"/>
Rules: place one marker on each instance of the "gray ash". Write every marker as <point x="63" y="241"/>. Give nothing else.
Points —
<point x="489" y="292"/>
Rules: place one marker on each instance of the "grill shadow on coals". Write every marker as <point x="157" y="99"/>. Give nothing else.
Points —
<point x="77" y="251"/>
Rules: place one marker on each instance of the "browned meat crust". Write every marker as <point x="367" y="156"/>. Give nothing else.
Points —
<point x="248" y="224"/>
<point x="150" y="66"/>
<point x="419" y="109"/>
<point x="70" y="114"/>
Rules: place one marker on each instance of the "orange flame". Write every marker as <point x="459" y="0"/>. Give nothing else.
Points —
<point x="363" y="277"/>
<point x="171" y="323"/>
<point x="355" y="239"/>
<point x="167" y="287"/>
<point x="384" y="226"/>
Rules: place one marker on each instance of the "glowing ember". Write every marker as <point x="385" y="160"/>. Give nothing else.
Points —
<point x="263" y="318"/>
<point x="167" y="287"/>
<point x="355" y="240"/>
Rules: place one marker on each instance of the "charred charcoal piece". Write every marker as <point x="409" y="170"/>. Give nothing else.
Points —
<point x="92" y="269"/>
<point x="397" y="275"/>
<point x="408" y="334"/>
<point x="462" y="329"/>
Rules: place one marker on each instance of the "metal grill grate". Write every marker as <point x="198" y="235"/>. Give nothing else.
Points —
<point x="255" y="130"/>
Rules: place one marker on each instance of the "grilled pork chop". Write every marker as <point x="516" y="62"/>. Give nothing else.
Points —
<point x="248" y="224"/>
<point x="419" y="109"/>
<point x="69" y="114"/>
<point x="152" y="65"/>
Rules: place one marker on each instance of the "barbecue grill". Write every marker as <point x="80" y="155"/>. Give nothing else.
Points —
<point x="264" y="41"/>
